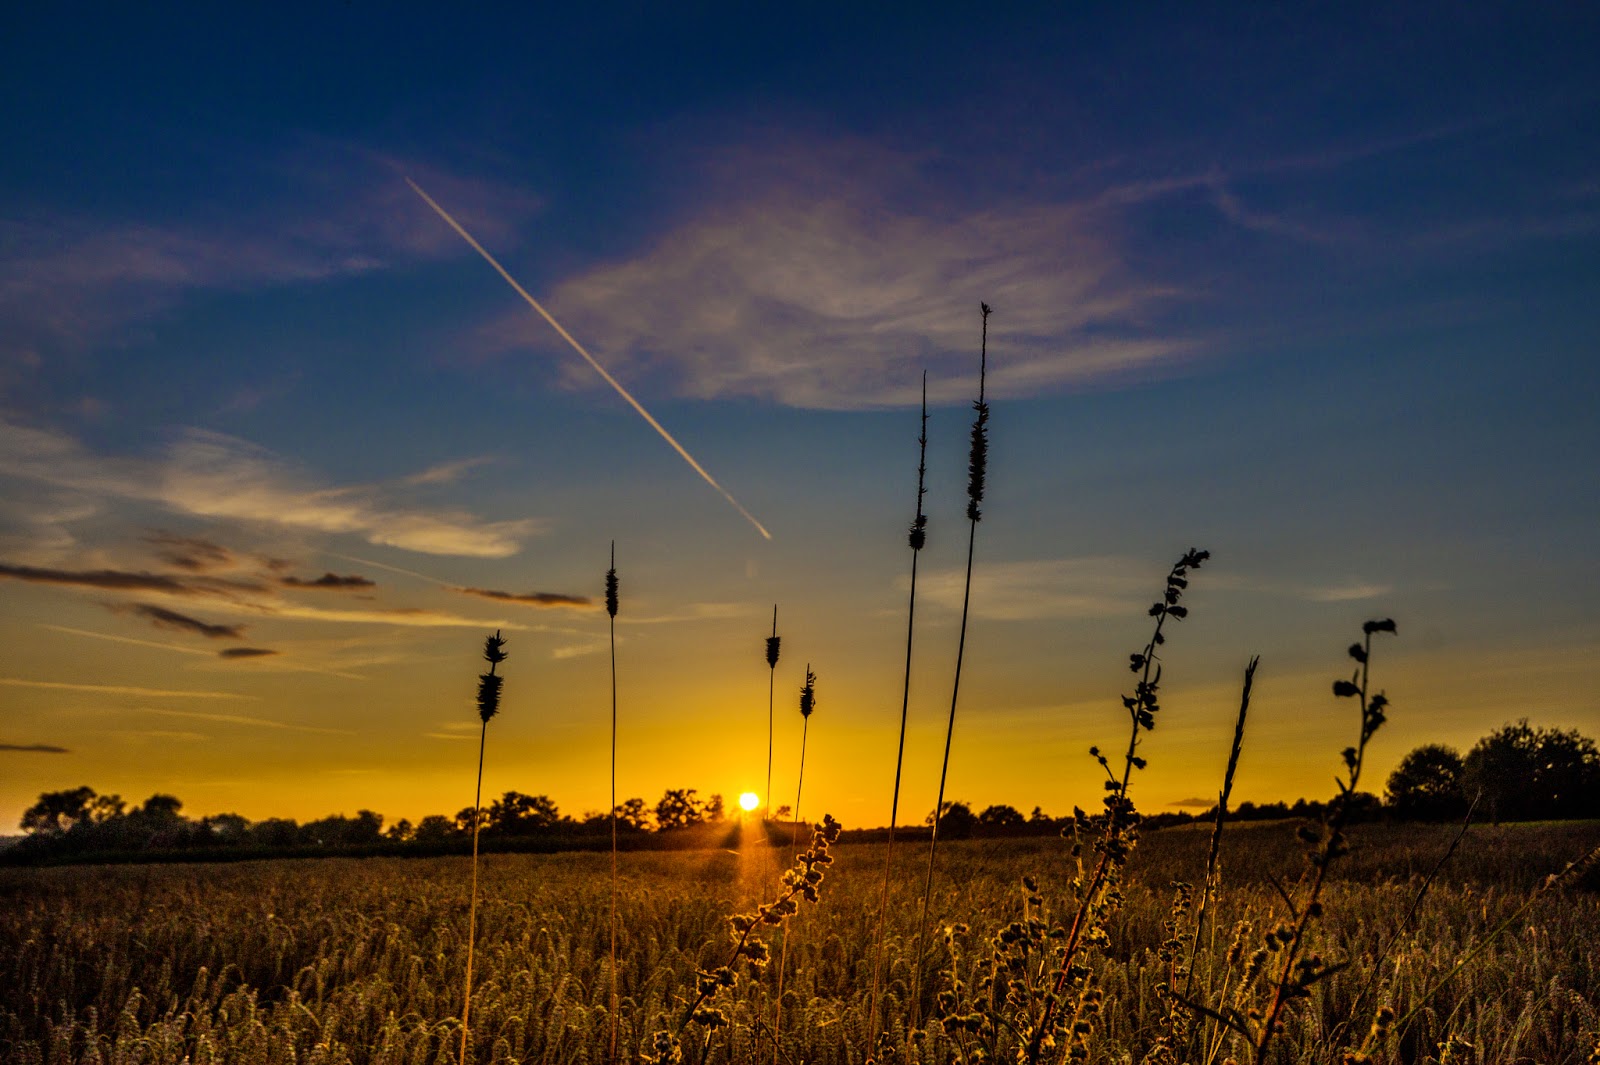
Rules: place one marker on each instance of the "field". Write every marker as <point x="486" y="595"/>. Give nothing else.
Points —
<point x="341" y="960"/>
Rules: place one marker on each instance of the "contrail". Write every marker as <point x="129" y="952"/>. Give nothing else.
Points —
<point x="590" y="359"/>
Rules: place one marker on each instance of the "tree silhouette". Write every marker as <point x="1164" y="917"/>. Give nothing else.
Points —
<point x="1527" y="773"/>
<point x="1426" y="786"/>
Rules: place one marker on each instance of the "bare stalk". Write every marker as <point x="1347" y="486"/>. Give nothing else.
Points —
<point x="611" y="610"/>
<point x="808" y="703"/>
<point x="488" y="705"/>
<point x="917" y="536"/>
<point x="977" y="467"/>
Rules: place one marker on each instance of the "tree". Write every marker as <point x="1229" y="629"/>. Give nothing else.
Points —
<point x="400" y="832"/>
<point x="633" y="816"/>
<point x="516" y="814"/>
<point x="679" y="808"/>
<point x="1001" y="816"/>
<point x="956" y="820"/>
<point x="1426" y="786"/>
<point x="58" y="811"/>
<point x="1526" y="773"/>
<point x="436" y="828"/>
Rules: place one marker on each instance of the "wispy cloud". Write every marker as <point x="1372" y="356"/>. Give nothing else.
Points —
<point x="826" y="289"/>
<point x="242" y="719"/>
<point x="530" y="598"/>
<point x="163" y="618"/>
<point x="329" y="580"/>
<point x="1051" y="588"/>
<point x="34" y="748"/>
<point x="245" y="652"/>
<point x="217" y="476"/>
<point x="191" y="552"/>
<point x="119" y="689"/>
<point x="68" y="281"/>
<point x="1348" y="593"/>
<point x="123" y="580"/>
<point x="125" y="639"/>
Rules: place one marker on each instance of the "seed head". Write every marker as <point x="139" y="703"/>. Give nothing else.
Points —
<point x="808" y="694"/>
<point x="611" y="582"/>
<point x="773" y="641"/>
<point x="489" y="683"/>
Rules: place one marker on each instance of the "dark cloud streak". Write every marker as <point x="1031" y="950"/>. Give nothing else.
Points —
<point x="546" y="599"/>
<point x="330" y="581"/>
<point x="163" y="618"/>
<point x="34" y="748"/>
<point x="245" y="652"/>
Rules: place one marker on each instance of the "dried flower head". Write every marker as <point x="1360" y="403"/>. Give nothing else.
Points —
<point x="978" y="456"/>
<point x="808" y="694"/>
<point x="611" y="582"/>
<point x="489" y="683"/>
<point x="773" y="642"/>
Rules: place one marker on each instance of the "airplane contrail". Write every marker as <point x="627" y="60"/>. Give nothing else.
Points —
<point x="590" y="359"/>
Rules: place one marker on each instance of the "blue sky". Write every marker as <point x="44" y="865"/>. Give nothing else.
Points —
<point x="1311" y="287"/>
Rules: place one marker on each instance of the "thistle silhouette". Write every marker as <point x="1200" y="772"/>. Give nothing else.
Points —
<point x="488" y="706"/>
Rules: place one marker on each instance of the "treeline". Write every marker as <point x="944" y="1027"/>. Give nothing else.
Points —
<point x="80" y="823"/>
<point x="1517" y="773"/>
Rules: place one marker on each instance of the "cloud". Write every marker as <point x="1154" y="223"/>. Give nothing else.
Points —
<point x="242" y="719"/>
<point x="1196" y="803"/>
<point x="116" y="580"/>
<point x="34" y="748"/>
<point x="342" y="212"/>
<point x="834" y="285"/>
<point x="163" y="618"/>
<point x="1348" y="593"/>
<point x="245" y="652"/>
<point x="531" y="598"/>
<point x="329" y="580"/>
<point x="1052" y="588"/>
<point x="119" y="689"/>
<point x="217" y="476"/>
<point x="190" y="552"/>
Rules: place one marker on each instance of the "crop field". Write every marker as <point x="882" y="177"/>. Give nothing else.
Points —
<point x="361" y="960"/>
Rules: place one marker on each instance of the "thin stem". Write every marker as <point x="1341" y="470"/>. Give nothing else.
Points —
<point x="917" y="539"/>
<point x="794" y="838"/>
<point x="472" y="909"/>
<point x="613" y="933"/>
<point x="976" y="469"/>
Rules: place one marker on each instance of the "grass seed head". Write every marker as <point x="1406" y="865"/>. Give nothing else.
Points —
<point x="611" y="583"/>
<point x="489" y="683"/>
<point x="808" y="694"/>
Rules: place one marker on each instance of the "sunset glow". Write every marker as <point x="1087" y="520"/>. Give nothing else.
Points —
<point x="278" y="451"/>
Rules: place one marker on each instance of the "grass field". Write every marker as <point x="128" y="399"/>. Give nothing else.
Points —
<point x="361" y="960"/>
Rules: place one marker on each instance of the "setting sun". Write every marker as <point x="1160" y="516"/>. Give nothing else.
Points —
<point x="749" y="801"/>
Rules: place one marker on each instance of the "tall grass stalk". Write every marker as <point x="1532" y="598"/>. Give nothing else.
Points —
<point x="808" y="703"/>
<point x="611" y="611"/>
<point x="774" y="643"/>
<point x="917" y="537"/>
<point x="488" y="705"/>
<point x="977" y="471"/>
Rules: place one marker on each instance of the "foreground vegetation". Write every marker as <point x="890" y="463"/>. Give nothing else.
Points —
<point x="360" y="960"/>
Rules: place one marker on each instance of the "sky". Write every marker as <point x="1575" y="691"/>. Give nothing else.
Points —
<point x="1310" y="287"/>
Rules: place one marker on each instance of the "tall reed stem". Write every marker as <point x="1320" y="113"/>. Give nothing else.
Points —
<point x="917" y="537"/>
<point x="977" y="466"/>
<point x="611" y="610"/>
<point x="488" y="705"/>
<point x="808" y="703"/>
